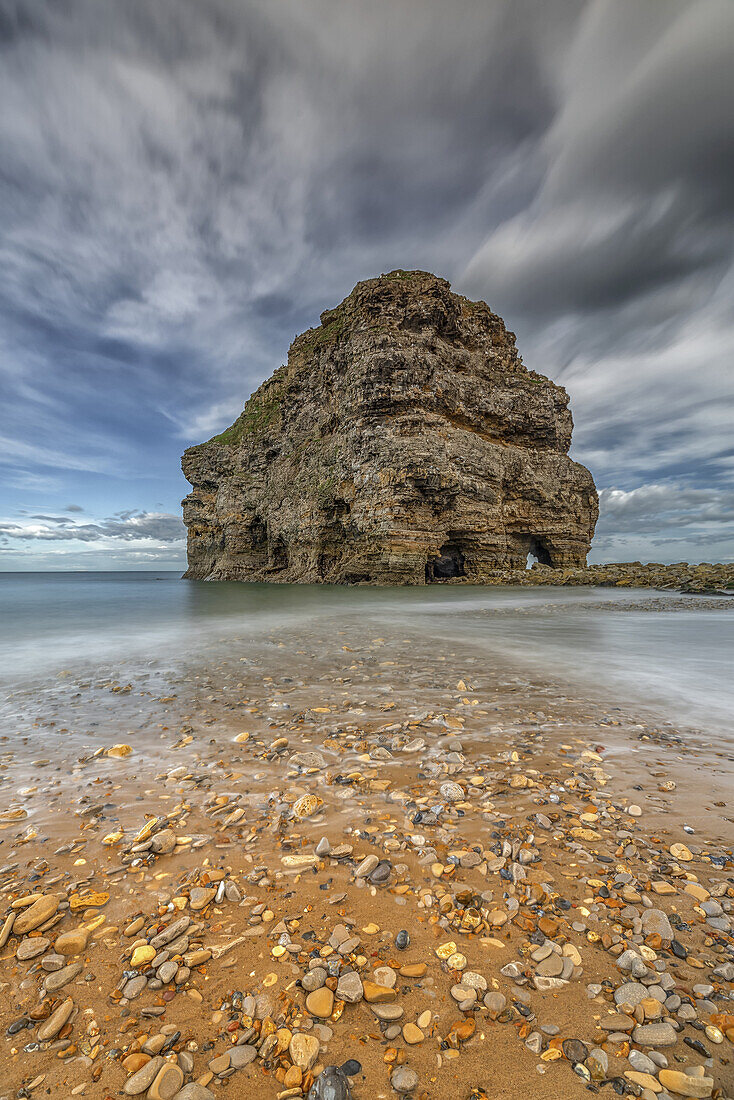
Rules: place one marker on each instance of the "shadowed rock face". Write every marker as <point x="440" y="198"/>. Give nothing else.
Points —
<point x="403" y="443"/>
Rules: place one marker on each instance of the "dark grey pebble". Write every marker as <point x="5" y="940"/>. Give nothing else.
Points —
<point x="332" y="1084"/>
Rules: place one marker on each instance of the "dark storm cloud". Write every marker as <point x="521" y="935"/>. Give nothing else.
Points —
<point x="619" y="271"/>
<point x="186" y="184"/>
<point x="636" y="191"/>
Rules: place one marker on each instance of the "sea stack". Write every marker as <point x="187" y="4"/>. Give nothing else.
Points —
<point x="404" y="442"/>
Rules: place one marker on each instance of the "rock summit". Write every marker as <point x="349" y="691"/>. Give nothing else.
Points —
<point x="404" y="442"/>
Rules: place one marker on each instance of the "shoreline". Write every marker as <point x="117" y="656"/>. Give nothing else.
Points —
<point x="705" y="578"/>
<point x="429" y="766"/>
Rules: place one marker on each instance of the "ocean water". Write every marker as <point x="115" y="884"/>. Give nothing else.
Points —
<point x="671" y="654"/>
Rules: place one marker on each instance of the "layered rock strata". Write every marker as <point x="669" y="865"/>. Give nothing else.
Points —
<point x="404" y="442"/>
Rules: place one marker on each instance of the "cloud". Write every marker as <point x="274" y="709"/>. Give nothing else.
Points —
<point x="668" y="520"/>
<point x="636" y="191"/>
<point x="187" y="184"/>
<point x="138" y="527"/>
<point x="656" y="508"/>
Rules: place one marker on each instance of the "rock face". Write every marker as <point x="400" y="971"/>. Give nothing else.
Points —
<point x="403" y="443"/>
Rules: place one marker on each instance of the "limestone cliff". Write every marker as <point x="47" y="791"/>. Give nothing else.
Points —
<point x="404" y="442"/>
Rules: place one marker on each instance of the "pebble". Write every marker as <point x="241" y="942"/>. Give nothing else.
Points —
<point x="167" y="1083"/>
<point x="31" y="947"/>
<point x="412" y="1034"/>
<point x="200" y="897"/>
<point x="366" y="867"/>
<point x="304" y="1050"/>
<point x="575" y="1050"/>
<point x="62" y="977"/>
<point x="35" y="915"/>
<point x="631" y="993"/>
<point x="331" y="1084"/>
<point x="686" y="1084"/>
<point x="143" y="1079"/>
<point x="141" y="956"/>
<point x="349" y="988"/>
<point x="496" y="1003"/>
<point x="320" y="1003"/>
<point x="655" y="1035"/>
<point x="381" y="873"/>
<point x="403" y="1079"/>
<point x="377" y="994"/>
<point x="53" y="1025"/>
<point x="655" y="921"/>
<point x="72" y="943"/>
<point x="388" y="1012"/>
<point x="241" y="1056"/>
<point x="220" y="1064"/>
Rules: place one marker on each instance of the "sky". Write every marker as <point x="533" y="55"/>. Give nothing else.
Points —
<point x="186" y="184"/>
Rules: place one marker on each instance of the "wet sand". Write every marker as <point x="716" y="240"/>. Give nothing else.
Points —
<point x="303" y="805"/>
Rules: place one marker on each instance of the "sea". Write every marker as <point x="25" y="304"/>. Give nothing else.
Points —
<point x="670" y="654"/>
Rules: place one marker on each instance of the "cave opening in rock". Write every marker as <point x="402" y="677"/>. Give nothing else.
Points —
<point x="538" y="552"/>
<point x="278" y="553"/>
<point x="450" y="563"/>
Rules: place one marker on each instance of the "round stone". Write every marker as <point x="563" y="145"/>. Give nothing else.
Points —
<point x="451" y="792"/>
<point x="307" y="806"/>
<point x="413" y="1034"/>
<point x="403" y="1079"/>
<point x="575" y="1050"/>
<point x="240" y="1056"/>
<point x="73" y="942"/>
<point x="320" y="1003"/>
<point x="142" y="956"/>
<point x="331" y="1084"/>
<point x="496" y="1003"/>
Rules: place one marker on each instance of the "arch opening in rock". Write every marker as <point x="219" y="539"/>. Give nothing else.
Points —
<point x="450" y="563"/>
<point x="538" y="552"/>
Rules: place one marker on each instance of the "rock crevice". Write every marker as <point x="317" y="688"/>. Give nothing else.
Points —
<point x="404" y="442"/>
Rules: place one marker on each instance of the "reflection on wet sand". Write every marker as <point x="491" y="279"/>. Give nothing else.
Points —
<point x="376" y="863"/>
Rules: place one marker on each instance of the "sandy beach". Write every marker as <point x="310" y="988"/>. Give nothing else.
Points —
<point x="384" y="854"/>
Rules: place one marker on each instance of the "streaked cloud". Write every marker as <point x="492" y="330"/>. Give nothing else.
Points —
<point x="125" y="527"/>
<point x="187" y="184"/>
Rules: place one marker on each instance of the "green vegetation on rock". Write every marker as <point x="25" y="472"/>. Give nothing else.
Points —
<point x="260" y="412"/>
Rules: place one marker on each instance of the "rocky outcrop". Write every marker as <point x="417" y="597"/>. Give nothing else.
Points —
<point x="404" y="442"/>
<point x="706" y="578"/>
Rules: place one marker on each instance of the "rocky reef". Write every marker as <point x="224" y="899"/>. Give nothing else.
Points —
<point x="404" y="442"/>
<point x="704" y="578"/>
